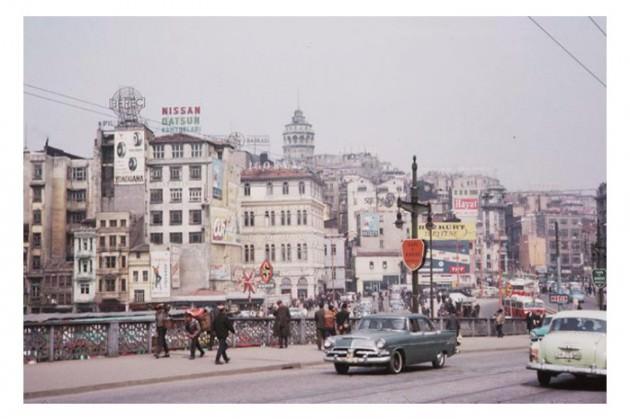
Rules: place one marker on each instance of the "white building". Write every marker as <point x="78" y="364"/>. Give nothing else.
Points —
<point x="84" y="277"/>
<point x="282" y="221"/>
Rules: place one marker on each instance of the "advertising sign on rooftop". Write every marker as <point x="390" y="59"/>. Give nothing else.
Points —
<point x="181" y="119"/>
<point x="129" y="158"/>
<point x="464" y="231"/>
<point x="370" y="222"/>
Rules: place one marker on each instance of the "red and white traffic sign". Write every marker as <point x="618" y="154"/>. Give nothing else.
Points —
<point x="413" y="251"/>
<point x="266" y="271"/>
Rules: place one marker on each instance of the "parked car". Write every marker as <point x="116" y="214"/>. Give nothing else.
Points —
<point x="575" y="344"/>
<point x="576" y="294"/>
<point x="390" y="340"/>
<point x="541" y="331"/>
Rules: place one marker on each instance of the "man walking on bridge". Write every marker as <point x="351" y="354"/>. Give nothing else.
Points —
<point x="222" y="329"/>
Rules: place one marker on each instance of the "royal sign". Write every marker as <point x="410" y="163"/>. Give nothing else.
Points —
<point x="413" y="251"/>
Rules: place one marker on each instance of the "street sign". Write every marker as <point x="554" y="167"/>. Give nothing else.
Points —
<point x="266" y="271"/>
<point x="413" y="251"/>
<point x="599" y="277"/>
<point x="559" y="298"/>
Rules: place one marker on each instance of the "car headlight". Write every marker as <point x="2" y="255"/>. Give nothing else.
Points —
<point x="380" y="344"/>
<point x="328" y="343"/>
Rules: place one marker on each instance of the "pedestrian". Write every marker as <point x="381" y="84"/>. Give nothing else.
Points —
<point x="193" y="328"/>
<point x="282" y="325"/>
<point x="319" y="325"/>
<point x="452" y="323"/>
<point x="499" y="321"/>
<point x="329" y="321"/>
<point x="529" y="320"/>
<point x="222" y="328"/>
<point x="212" y="313"/>
<point x="343" y="320"/>
<point x="161" y="320"/>
<point x="477" y="310"/>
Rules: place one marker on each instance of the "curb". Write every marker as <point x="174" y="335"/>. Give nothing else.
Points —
<point x="511" y="348"/>
<point x="130" y="383"/>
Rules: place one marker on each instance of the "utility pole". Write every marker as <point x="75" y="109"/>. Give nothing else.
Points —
<point x="555" y="223"/>
<point x="414" y="207"/>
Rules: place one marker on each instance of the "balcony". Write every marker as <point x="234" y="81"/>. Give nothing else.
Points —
<point x="111" y="295"/>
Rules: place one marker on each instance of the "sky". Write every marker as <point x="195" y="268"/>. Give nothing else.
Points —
<point x="490" y="95"/>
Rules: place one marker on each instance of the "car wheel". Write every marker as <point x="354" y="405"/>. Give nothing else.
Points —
<point x="396" y="363"/>
<point x="342" y="368"/>
<point x="440" y="360"/>
<point x="544" y="378"/>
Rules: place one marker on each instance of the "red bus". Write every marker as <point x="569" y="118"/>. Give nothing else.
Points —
<point x="518" y="306"/>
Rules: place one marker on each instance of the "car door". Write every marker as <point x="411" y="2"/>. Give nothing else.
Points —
<point x="430" y="340"/>
<point x="416" y="342"/>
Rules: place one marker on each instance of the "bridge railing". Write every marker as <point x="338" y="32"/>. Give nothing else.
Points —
<point x="81" y="339"/>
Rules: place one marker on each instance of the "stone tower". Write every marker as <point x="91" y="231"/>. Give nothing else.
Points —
<point x="299" y="139"/>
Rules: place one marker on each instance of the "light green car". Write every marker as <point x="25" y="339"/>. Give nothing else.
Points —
<point x="575" y="344"/>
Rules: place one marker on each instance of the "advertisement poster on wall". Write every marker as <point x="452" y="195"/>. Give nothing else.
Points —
<point x="452" y="247"/>
<point x="223" y="226"/>
<point x="160" y="274"/>
<point x="370" y="222"/>
<point x="175" y="254"/>
<point x="129" y="158"/>
<point x="220" y="272"/>
<point x="217" y="179"/>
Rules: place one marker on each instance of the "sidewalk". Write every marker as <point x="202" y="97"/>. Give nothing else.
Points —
<point x="69" y="377"/>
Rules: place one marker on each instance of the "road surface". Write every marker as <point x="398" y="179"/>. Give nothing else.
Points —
<point x="482" y="377"/>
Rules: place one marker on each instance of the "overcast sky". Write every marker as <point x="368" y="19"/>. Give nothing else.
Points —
<point x="490" y="94"/>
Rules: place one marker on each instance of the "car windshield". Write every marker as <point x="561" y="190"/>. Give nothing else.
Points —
<point x="382" y="324"/>
<point x="546" y="321"/>
<point x="578" y="324"/>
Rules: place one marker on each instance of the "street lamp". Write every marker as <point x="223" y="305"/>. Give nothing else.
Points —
<point x="414" y="207"/>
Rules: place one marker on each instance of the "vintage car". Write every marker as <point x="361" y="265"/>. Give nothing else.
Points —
<point x="390" y="340"/>
<point x="575" y="344"/>
<point x="541" y="331"/>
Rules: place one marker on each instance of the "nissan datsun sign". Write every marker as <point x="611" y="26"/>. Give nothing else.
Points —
<point x="413" y="251"/>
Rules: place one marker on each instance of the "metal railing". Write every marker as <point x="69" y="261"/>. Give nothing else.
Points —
<point x="85" y="338"/>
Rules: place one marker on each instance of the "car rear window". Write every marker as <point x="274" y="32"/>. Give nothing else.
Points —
<point x="578" y="324"/>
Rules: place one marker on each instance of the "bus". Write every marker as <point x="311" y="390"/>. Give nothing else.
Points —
<point x="524" y="287"/>
<point x="518" y="306"/>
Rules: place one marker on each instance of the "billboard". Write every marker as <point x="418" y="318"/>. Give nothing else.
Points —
<point x="370" y="222"/>
<point x="175" y="254"/>
<point x="223" y="226"/>
<point x="449" y="257"/>
<point x="466" y="206"/>
<point x="464" y="231"/>
<point x="160" y="274"/>
<point x="217" y="179"/>
<point x="129" y="158"/>
<point x="181" y="119"/>
<point x="220" y="272"/>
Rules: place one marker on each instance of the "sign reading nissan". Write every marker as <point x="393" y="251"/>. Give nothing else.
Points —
<point x="129" y="157"/>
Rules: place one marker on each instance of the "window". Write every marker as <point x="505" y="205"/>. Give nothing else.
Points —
<point x="267" y="252"/>
<point x="333" y="273"/>
<point x="101" y="242"/>
<point x="305" y="251"/>
<point x="195" y="237"/>
<point x="325" y="250"/>
<point x="79" y="173"/>
<point x="112" y="241"/>
<point x="299" y="217"/>
<point x="285" y="188"/>
<point x="110" y="262"/>
<point x="145" y="276"/>
<point x="176" y="238"/>
<point x="156" y="174"/>
<point x="288" y="253"/>
<point x="37" y="262"/>
<point x="176" y="173"/>
<point x="123" y="261"/>
<point x="85" y="288"/>
<point x="178" y="151"/>
<point x="37" y="193"/>
<point x="156" y="218"/>
<point x="247" y="189"/>
<point x="123" y="223"/>
<point x="194" y="217"/>
<point x="195" y="150"/>
<point x="156" y="238"/>
<point x="282" y="218"/>
<point x="251" y="218"/>
<point x="371" y="265"/>
<point x="302" y="188"/>
<point x="138" y="296"/>
<point x="304" y="217"/>
<point x="103" y="223"/>
<point x="333" y="249"/>
<point x="37" y="239"/>
<point x="195" y="172"/>
<point x="35" y="290"/>
<point x="135" y="276"/>
<point x="37" y="217"/>
<point x="75" y="217"/>
<point x="113" y="223"/>
<point x="299" y="251"/>
<point x="175" y="218"/>
<point x="194" y="195"/>
<point x="158" y="151"/>
<point x="273" y="252"/>
<point x="384" y="265"/>
<point x="123" y="241"/>
<point x="176" y="195"/>
<point x="269" y="188"/>
<point x="288" y="218"/>
<point x="76" y="196"/>
<point x="283" y="252"/>
<point x="273" y="218"/>
<point x="246" y="219"/>
<point x="38" y="172"/>
<point x="110" y="284"/>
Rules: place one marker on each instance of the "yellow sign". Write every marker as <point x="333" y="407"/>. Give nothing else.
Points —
<point x="449" y="231"/>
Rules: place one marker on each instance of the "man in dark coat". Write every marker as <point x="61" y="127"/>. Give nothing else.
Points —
<point x="319" y="325"/>
<point x="193" y="328"/>
<point x="342" y="318"/>
<point x="222" y="328"/>
<point x="281" y="327"/>
<point x="452" y="323"/>
<point x="530" y="321"/>
<point x="161" y="319"/>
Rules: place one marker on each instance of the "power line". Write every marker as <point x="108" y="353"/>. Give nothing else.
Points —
<point x="68" y="104"/>
<point x="598" y="27"/>
<point x="66" y="96"/>
<point x="567" y="51"/>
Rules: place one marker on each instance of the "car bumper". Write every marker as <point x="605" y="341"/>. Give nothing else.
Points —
<point x="566" y="368"/>
<point x="381" y="358"/>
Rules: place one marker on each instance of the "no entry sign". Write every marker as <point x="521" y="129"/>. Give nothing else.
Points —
<point x="413" y="251"/>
